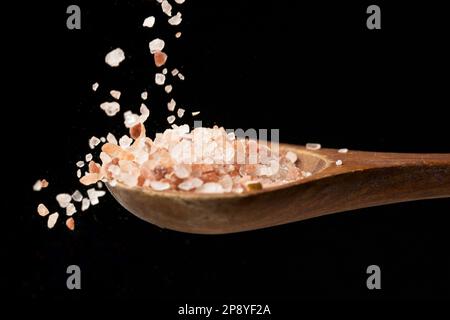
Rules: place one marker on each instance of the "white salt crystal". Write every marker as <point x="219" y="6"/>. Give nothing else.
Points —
<point x="110" y="108"/>
<point x="93" y="142"/>
<point x="52" y="220"/>
<point x="339" y="162"/>
<point x="37" y="186"/>
<point x="111" y="138"/>
<point x="115" y="57"/>
<point x="180" y="112"/>
<point x="85" y="204"/>
<point x="80" y="164"/>
<point x="78" y="173"/>
<point x="313" y="146"/>
<point x="175" y="72"/>
<point x="63" y="199"/>
<point x="306" y="174"/>
<point x="171" y="105"/>
<point x="77" y="196"/>
<point x="196" y="113"/>
<point x="160" y="79"/>
<point x="149" y="22"/>
<point x="95" y="86"/>
<point x="103" y="139"/>
<point x="344" y="150"/>
<point x="179" y="1"/>
<point x="291" y="156"/>
<point x="145" y="113"/>
<point x="99" y="185"/>
<point x="210" y="187"/>
<point x="166" y="7"/>
<point x="93" y="196"/>
<point x="156" y="45"/>
<point x="176" y="19"/>
<point x="159" y="186"/>
<point x="130" y="119"/>
<point x="181" y="76"/>
<point x="70" y="209"/>
<point x="115" y="94"/>
<point x="42" y="210"/>
<point x="144" y="95"/>
<point x="164" y="72"/>
<point x="181" y="171"/>
<point x="125" y="141"/>
<point x="88" y="157"/>
<point x="178" y="34"/>
<point x="190" y="184"/>
<point x="171" y="119"/>
<point x="168" y="88"/>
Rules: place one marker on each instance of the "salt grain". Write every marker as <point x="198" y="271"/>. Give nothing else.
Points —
<point x="149" y="22"/>
<point x="111" y="138"/>
<point x="37" y="186"/>
<point x="42" y="210"/>
<point x="344" y="150"/>
<point x="160" y="79"/>
<point x="85" y="204"/>
<point x="156" y="45"/>
<point x="52" y="220"/>
<point x="70" y="209"/>
<point x="115" y="94"/>
<point x="339" y="162"/>
<point x="70" y="224"/>
<point x="176" y="19"/>
<point x="144" y="95"/>
<point x="77" y="196"/>
<point x="166" y="7"/>
<point x="177" y="35"/>
<point x="115" y="57"/>
<point x="180" y="76"/>
<point x="63" y="199"/>
<point x="110" y="108"/>
<point x="93" y="142"/>
<point x="125" y="141"/>
<point x="168" y="88"/>
<point x="145" y="113"/>
<point x="291" y="156"/>
<point x="210" y="187"/>
<point x="160" y="59"/>
<point x="103" y="139"/>
<point x="80" y="164"/>
<point x="180" y="112"/>
<point x="131" y="119"/>
<point x="179" y="1"/>
<point x="99" y="185"/>
<point x="78" y="173"/>
<point x="171" y="119"/>
<point x="171" y="105"/>
<point x="175" y="72"/>
<point x="313" y="146"/>
<point x="196" y="113"/>
<point x="159" y="186"/>
<point x="95" y="86"/>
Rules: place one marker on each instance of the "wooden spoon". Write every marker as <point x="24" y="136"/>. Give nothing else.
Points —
<point x="364" y="179"/>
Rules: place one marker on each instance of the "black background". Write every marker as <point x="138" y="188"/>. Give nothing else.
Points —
<point x="313" y="70"/>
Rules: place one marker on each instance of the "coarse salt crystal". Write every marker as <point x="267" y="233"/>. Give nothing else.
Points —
<point x="176" y="19"/>
<point x="37" y="186"/>
<point x="156" y="45"/>
<point x="42" y="210"/>
<point x="70" y="224"/>
<point x="179" y="1"/>
<point x="78" y="173"/>
<point x="125" y="141"/>
<point x="80" y="164"/>
<point x="115" y="94"/>
<point x="339" y="162"/>
<point x="178" y="34"/>
<point x="164" y="72"/>
<point x="115" y="57"/>
<point x="159" y="186"/>
<point x="77" y="196"/>
<point x="52" y="220"/>
<point x="180" y="76"/>
<point x="160" y="59"/>
<point x="168" y="88"/>
<point x="171" y="119"/>
<point x="211" y="187"/>
<point x="93" y="196"/>
<point x="291" y="156"/>
<point x="181" y="171"/>
<point x="166" y="7"/>
<point x="171" y="105"/>
<point x="313" y="146"/>
<point x="149" y="22"/>
<point x="180" y="112"/>
<point x="70" y="209"/>
<point x="110" y="108"/>
<point x="99" y="185"/>
<point x="145" y="113"/>
<point x="63" y="199"/>
<point x="144" y="95"/>
<point x="344" y="150"/>
<point x="88" y="157"/>
<point x="111" y="138"/>
<point x="103" y="139"/>
<point x="160" y="79"/>
<point x="175" y="72"/>
<point x="195" y="113"/>
<point x="95" y="86"/>
<point x="130" y="119"/>
<point x="93" y="142"/>
<point x="85" y="204"/>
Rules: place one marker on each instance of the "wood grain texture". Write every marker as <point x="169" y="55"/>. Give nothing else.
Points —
<point x="365" y="179"/>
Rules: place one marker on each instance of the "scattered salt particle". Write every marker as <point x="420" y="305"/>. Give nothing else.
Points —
<point x="70" y="224"/>
<point x="99" y="184"/>
<point x="52" y="220"/>
<point x="196" y="113"/>
<point x="291" y="156"/>
<point x="180" y="112"/>
<point x="37" y="186"/>
<point x="171" y="105"/>
<point x="70" y="209"/>
<point x="171" y="119"/>
<point x="44" y="183"/>
<point x="42" y="210"/>
<point x="144" y="95"/>
<point x="78" y="173"/>
<point x="160" y="59"/>
<point x="85" y="204"/>
<point x="344" y="150"/>
<point x="80" y="164"/>
<point x="88" y="157"/>
<point x="115" y="94"/>
<point x="100" y="193"/>
<point x="149" y="22"/>
<point x="339" y="162"/>
<point x="179" y="1"/>
<point x="176" y="19"/>
<point x="210" y="187"/>
<point x="125" y="141"/>
<point x="159" y="186"/>
<point x="313" y="146"/>
<point x="145" y="113"/>
<point x="130" y="119"/>
<point x="306" y="174"/>
<point x="111" y="138"/>
<point x="166" y="7"/>
<point x="95" y="86"/>
<point x="190" y="184"/>
<point x="181" y="171"/>
<point x="93" y="197"/>
<point x="175" y="72"/>
<point x="103" y="139"/>
<point x="160" y="79"/>
<point x="63" y="199"/>
<point x="115" y="57"/>
<point x="181" y="76"/>
<point x="93" y="142"/>
<point x="156" y="45"/>
<point x="77" y="196"/>
<point x="110" y="108"/>
<point x="168" y="88"/>
<point x="164" y="72"/>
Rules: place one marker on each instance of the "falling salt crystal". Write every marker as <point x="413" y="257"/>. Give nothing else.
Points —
<point x="156" y="45"/>
<point x="78" y="173"/>
<point x="99" y="185"/>
<point x="160" y="59"/>
<point x="70" y="224"/>
<point x="93" y="197"/>
<point x="196" y="113"/>
<point x="110" y="108"/>
<point x="313" y="146"/>
<point x="175" y="72"/>
<point x="171" y="119"/>
<point x="42" y="210"/>
<point x="103" y="139"/>
<point x="149" y="22"/>
<point x="171" y="105"/>
<point x="70" y="209"/>
<point x="63" y="199"/>
<point x="181" y="76"/>
<point x="111" y="138"/>
<point x="179" y="1"/>
<point x="144" y="95"/>
<point x="166" y="7"/>
<point x="80" y="164"/>
<point x="160" y="79"/>
<point x="77" y="196"/>
<point x="93" y="142"/>
<point x="339" y="162"/>
<point x="52" y="220"/>
<point x="168" y="88"/>
<point x="95" y="86"/>
<point x="145" y="113"/>
<point x="180" y="112"/>
<point x="159" y="186"/>
<point x="130" y="119"/>
<point x="115" y="94"/>
<point x="37" y="186"/>
<point x="115" y="57"/>
<point x="291" y="156"/>
<point x="125" y="141"/>
<point x="344" y="150"/>
<point x="176" y="19"/>
<point x="164" y="72"/>
<point x="210" y="187"/>
<point x="178" y="34"/>
<point x="85" y="204"/>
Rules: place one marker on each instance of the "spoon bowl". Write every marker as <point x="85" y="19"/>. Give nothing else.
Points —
<point x="364" y="179"/>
